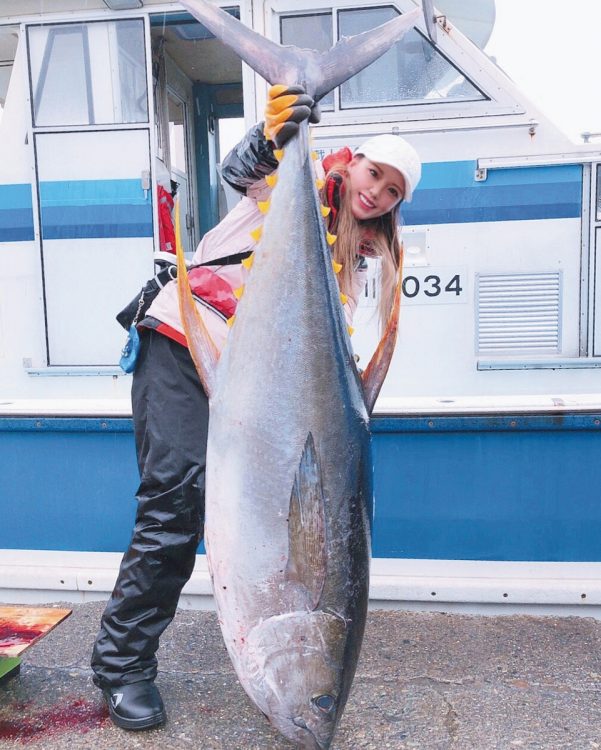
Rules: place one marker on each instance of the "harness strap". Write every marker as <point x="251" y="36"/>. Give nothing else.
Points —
<point x="170" y="272"/>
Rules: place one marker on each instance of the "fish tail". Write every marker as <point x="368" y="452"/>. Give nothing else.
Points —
<point x="317" y="72"/>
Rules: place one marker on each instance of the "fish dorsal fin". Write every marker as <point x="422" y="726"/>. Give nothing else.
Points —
<point x="375" y="372"/>
<point x="307" y="555"/>
<point x="318" y="72"/>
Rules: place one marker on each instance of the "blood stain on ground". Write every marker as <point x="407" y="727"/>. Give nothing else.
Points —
<point x="76" y="716"/>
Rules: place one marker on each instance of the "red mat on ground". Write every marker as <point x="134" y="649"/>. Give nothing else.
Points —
<point x="21" y="627"/>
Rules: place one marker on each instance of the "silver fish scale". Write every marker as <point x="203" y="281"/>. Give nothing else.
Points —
<point x="287" y="371"/>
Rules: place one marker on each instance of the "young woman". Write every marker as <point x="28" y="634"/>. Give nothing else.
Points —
<point x="365" y="191"/>
<point x="170" y="409"/>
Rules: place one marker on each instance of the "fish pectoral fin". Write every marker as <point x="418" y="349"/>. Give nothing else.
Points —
<point x="375" y="372"/>
<point x="202" y="348"/>
<point x="307" y="554"/>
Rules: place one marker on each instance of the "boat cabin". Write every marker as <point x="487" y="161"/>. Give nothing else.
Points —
<point x="109" y="106"/>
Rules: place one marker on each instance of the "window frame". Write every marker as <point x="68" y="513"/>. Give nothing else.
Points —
<point x="83" y="24"/>
<point x="496" y="101"/>
<point x="54" y="32"/>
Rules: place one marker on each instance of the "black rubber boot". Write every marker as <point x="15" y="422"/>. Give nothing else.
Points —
<point x="135" y="706"/>
<point x="166" y="394"/>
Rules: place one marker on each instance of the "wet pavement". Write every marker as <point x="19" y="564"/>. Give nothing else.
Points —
<point x="425" y="680"/>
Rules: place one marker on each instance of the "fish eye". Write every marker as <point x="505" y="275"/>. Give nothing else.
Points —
<point x="324" y="702"/>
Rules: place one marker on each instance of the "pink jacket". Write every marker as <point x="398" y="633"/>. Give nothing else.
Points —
<point x="229" y="237"/>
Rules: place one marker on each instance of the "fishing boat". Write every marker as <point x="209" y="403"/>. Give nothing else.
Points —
<point x="487" y="432"/>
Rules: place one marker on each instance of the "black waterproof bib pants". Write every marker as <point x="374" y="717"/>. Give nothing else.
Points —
<point x="171" y="414"/>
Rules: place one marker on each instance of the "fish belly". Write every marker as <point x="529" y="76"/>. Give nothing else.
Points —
<point x="286" y="372"/>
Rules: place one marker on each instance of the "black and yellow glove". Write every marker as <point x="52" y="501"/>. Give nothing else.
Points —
<point x="287" y="107"/>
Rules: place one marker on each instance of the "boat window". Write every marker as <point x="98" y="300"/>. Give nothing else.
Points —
<point x="86" y="74"/>
<point x="9" y="39"/>
<point x="177" y="133"/>
<point x="412" y="71"/>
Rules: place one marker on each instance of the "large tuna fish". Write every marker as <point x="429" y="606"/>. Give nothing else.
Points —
<point x="288" y="485"/>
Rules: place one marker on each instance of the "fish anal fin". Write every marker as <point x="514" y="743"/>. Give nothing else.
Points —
<point x="374" y="374"/>
<point x="307" y="555"/>
<point x="203" y="351"/>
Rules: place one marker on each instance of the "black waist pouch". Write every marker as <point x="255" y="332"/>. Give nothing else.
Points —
<point x="136" y="309"/>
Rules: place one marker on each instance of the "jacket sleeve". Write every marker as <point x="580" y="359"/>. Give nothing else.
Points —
<point x="249" y="161"/>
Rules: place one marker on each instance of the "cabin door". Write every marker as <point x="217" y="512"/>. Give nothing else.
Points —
<point x="89" y="93"/>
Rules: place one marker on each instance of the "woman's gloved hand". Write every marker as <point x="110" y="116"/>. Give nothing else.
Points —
<point x="286" y="108"/>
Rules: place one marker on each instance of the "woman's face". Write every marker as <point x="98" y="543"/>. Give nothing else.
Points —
<point x="374" y="189"/>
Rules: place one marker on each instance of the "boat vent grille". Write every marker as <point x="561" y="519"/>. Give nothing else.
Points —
<point x="519" y="313"/>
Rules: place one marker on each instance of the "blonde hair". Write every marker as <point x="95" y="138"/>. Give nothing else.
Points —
<point x="383" y="240"/>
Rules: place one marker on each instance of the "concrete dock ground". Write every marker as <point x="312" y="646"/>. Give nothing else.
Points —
<point x="425" y="680"/>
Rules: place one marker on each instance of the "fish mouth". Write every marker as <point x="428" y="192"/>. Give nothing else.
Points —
<point x="299" y="722"/>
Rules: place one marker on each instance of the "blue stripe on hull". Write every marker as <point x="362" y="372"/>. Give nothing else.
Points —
<point x="15" y="197"/>
<point x="516" y="487"/>
<point x="414" y="216"/>
<point x="95" y="209"/>
<point x="448" y="194"/>
<point x="16" y="225"/>
<point x="16" y="213"/>
<point x="74" y="492"/>
<point x="93" y="193"/>
<point x="488" y="488"/>
<point x="85" y="222"/>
